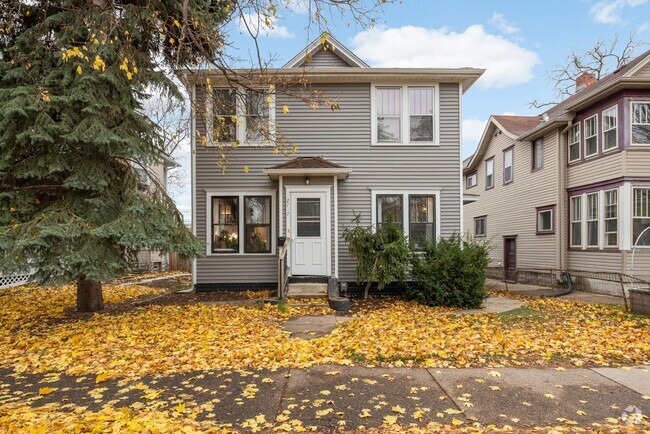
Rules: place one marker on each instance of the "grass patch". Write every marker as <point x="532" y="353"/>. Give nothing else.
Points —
<point x="523" y="313"/>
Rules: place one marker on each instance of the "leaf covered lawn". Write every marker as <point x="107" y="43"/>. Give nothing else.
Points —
<point x="38" y="333"/>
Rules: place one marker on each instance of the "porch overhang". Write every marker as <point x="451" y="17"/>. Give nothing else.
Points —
<point x="277" y="173"/>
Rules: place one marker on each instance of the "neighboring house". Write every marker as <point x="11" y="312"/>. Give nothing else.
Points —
<point x="569" y="189"/>
<point x="392" y="147"/>
<point x="152" y="177"/>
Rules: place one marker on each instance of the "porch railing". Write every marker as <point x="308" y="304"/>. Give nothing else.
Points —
<point x="283" y="268"/>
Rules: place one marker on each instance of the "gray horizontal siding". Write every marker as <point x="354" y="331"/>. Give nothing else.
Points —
<point x="325" y="59"/>
<point x="343" y="137"/>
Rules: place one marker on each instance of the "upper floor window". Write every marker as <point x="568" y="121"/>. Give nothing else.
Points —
<point x="538" y="154"/>
<point x="421" y="114"/>
<point x="389" y="114"/>
<point x="404" y="114"/>
<point x="641" y="216"/>
<point x="507" y="165"/>
<point x="471" y="180"/>
<point x="610" y="126"/>
<point x="239" y="116"/>
<point x="489" y="173"/>
<point x="574" y="143"/>
<point x="591" y="136"/>
<point x="641" y="123"/>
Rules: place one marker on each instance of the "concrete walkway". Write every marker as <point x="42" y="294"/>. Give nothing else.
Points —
<point x="538" y="291"/>
<point x="332" y="397"/>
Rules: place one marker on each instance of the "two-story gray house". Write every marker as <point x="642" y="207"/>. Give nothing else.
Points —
<point x="569" y="189"/>
<point x="393" y="146"/>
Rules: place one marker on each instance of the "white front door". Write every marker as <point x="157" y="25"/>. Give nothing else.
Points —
<point x="309" y="233"/>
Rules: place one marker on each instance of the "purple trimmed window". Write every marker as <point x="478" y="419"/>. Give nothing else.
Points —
<point x="574" y="143"/>
<point x="610" y="128"/>
<point x="641" y="123"/>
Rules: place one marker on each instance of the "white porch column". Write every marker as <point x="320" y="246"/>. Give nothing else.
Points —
<point x="281" y="203"/>
<point x="336" y="226"/>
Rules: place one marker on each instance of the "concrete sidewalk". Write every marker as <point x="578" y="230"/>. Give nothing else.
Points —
<point x="335" y="397"/>
<point x="539" y="291"/>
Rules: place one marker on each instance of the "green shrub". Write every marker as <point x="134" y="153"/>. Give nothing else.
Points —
<point x="382" y="256"/>
<point x="449" y="273"/>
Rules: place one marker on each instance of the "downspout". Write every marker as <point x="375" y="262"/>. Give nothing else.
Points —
<point x="562" y="209"/>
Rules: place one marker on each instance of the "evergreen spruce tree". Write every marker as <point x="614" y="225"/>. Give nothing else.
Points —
<point x="73" y="76"/>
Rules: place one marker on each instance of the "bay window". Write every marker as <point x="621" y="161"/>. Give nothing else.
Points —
<point x="641" y="123"/>
<point x="574" y="143"/>
<point x="610" y="128"/>
<point x="611" y="218"/>
<point x="576" y="221"/>
<point x="641" y="216"/>
<point x="591" y="136"/>
<point x="592" y="219"/>
<point x="404" y="114"/>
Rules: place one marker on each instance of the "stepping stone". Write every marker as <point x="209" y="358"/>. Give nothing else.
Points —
<point x="313" y="326"/>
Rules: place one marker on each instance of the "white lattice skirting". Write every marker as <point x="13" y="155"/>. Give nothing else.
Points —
<point x="15" y="280"/>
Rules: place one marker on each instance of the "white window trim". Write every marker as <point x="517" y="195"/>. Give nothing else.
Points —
<point x="404" y="115"/>
<point x="631" y="114"/>
<point x="405" y="206"/>
<point x="586" y="219"/>
<point x="571" y="221"/>
<point x="240" y="130"/>
<point x="618" y="220"/>
<point x="569" y="144"/>
<point x="635" y="187"/>
<point x="208" y="227"/>
<point x="584" y="127"/>
<point x="488" y="187"/>
<point x="546" y="231"/>
<point x="510" y="151"/>
<point x="615" y="107"/>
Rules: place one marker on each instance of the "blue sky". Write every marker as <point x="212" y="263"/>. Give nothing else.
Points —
<point x="518" y="42"/>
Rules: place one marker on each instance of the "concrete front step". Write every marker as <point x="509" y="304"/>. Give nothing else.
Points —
<point x="307" y="290"/>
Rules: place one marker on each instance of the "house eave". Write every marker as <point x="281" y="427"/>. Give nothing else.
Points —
<point x="546" y="127"/>
<point x="611" y="88"/>
<point x="341" y="173"/>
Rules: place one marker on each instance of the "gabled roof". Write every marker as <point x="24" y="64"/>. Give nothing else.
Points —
<point x="330" y="43"/>
<point x="517" y="125"/>
<point x="308" y="166"/>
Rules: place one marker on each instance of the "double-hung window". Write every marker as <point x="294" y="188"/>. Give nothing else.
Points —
<point x="611" y="218"/>
<point x="389" y="114"/>
<point x="416" y="213"/>
<point x="592" y="219"/>
<point x="471" y="180"/>
<point x="421" y="114"/>
<point x="574" y="143"/>
<point x="404" y="114"/>
<point x="641" y="216"/>
<point x="241" y="116"/>
<point x="641" y="123"/>
<point x="538" y="154"/>
<point x="242" y="223"/>
<point x="591" y="136"/>
<point x="489" y="173"/>
<point x="225" y="224"/>
<point x="576" y="221"/>
<point x="390" y="207"/>
<point x="422" y="219"/>
<point x="508" y="155"/>
<point x="480" y="226"/>
<point x="610" y="128"/>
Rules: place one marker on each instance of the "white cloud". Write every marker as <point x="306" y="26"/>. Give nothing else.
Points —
<point x="506" y="62"/>
<point x="473" y="129"/>
<point x="609" y="11"/>
<point x="501" y="24"/>
<point x="263" y="25"/>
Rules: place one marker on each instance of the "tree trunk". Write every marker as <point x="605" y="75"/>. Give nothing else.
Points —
<point x="366" y="290"/>
<point x="89" y="295"/>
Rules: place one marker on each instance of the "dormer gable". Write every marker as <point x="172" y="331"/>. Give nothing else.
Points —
<point x="326" y="52"/>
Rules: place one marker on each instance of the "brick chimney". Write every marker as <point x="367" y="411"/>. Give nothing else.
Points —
<point x="585" y="80"/>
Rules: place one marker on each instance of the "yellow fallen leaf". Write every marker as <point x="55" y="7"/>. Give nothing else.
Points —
<point x="390" y="420"/>
<point x="46" y="390"/>
<point x="398" y="409"/>
<point x="495" y="388"/>
<point x="581" y="413"/>
<point x="456" y="422"/>
<point x="180" y="408"/>
<point x="365" y="413"/>
<point x="549" y="395"/>
<point x="324" y="412"/>
<point x="325" y="392"/>
<point x="494" y="373"/>
<point x="100" y="378"/>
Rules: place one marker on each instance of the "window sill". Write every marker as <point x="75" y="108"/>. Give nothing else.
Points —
<point x="479" y="236"/>
<point x="508" y="183"/>
<point x="609" y="151"/>
<point x="240" y="254"/>
<point x="489" y="188"/>
<point x="592" y="156"/>
<point x="536" y="170"/>
<point x="388" y="144"/>
<point x="545" y="232"/>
